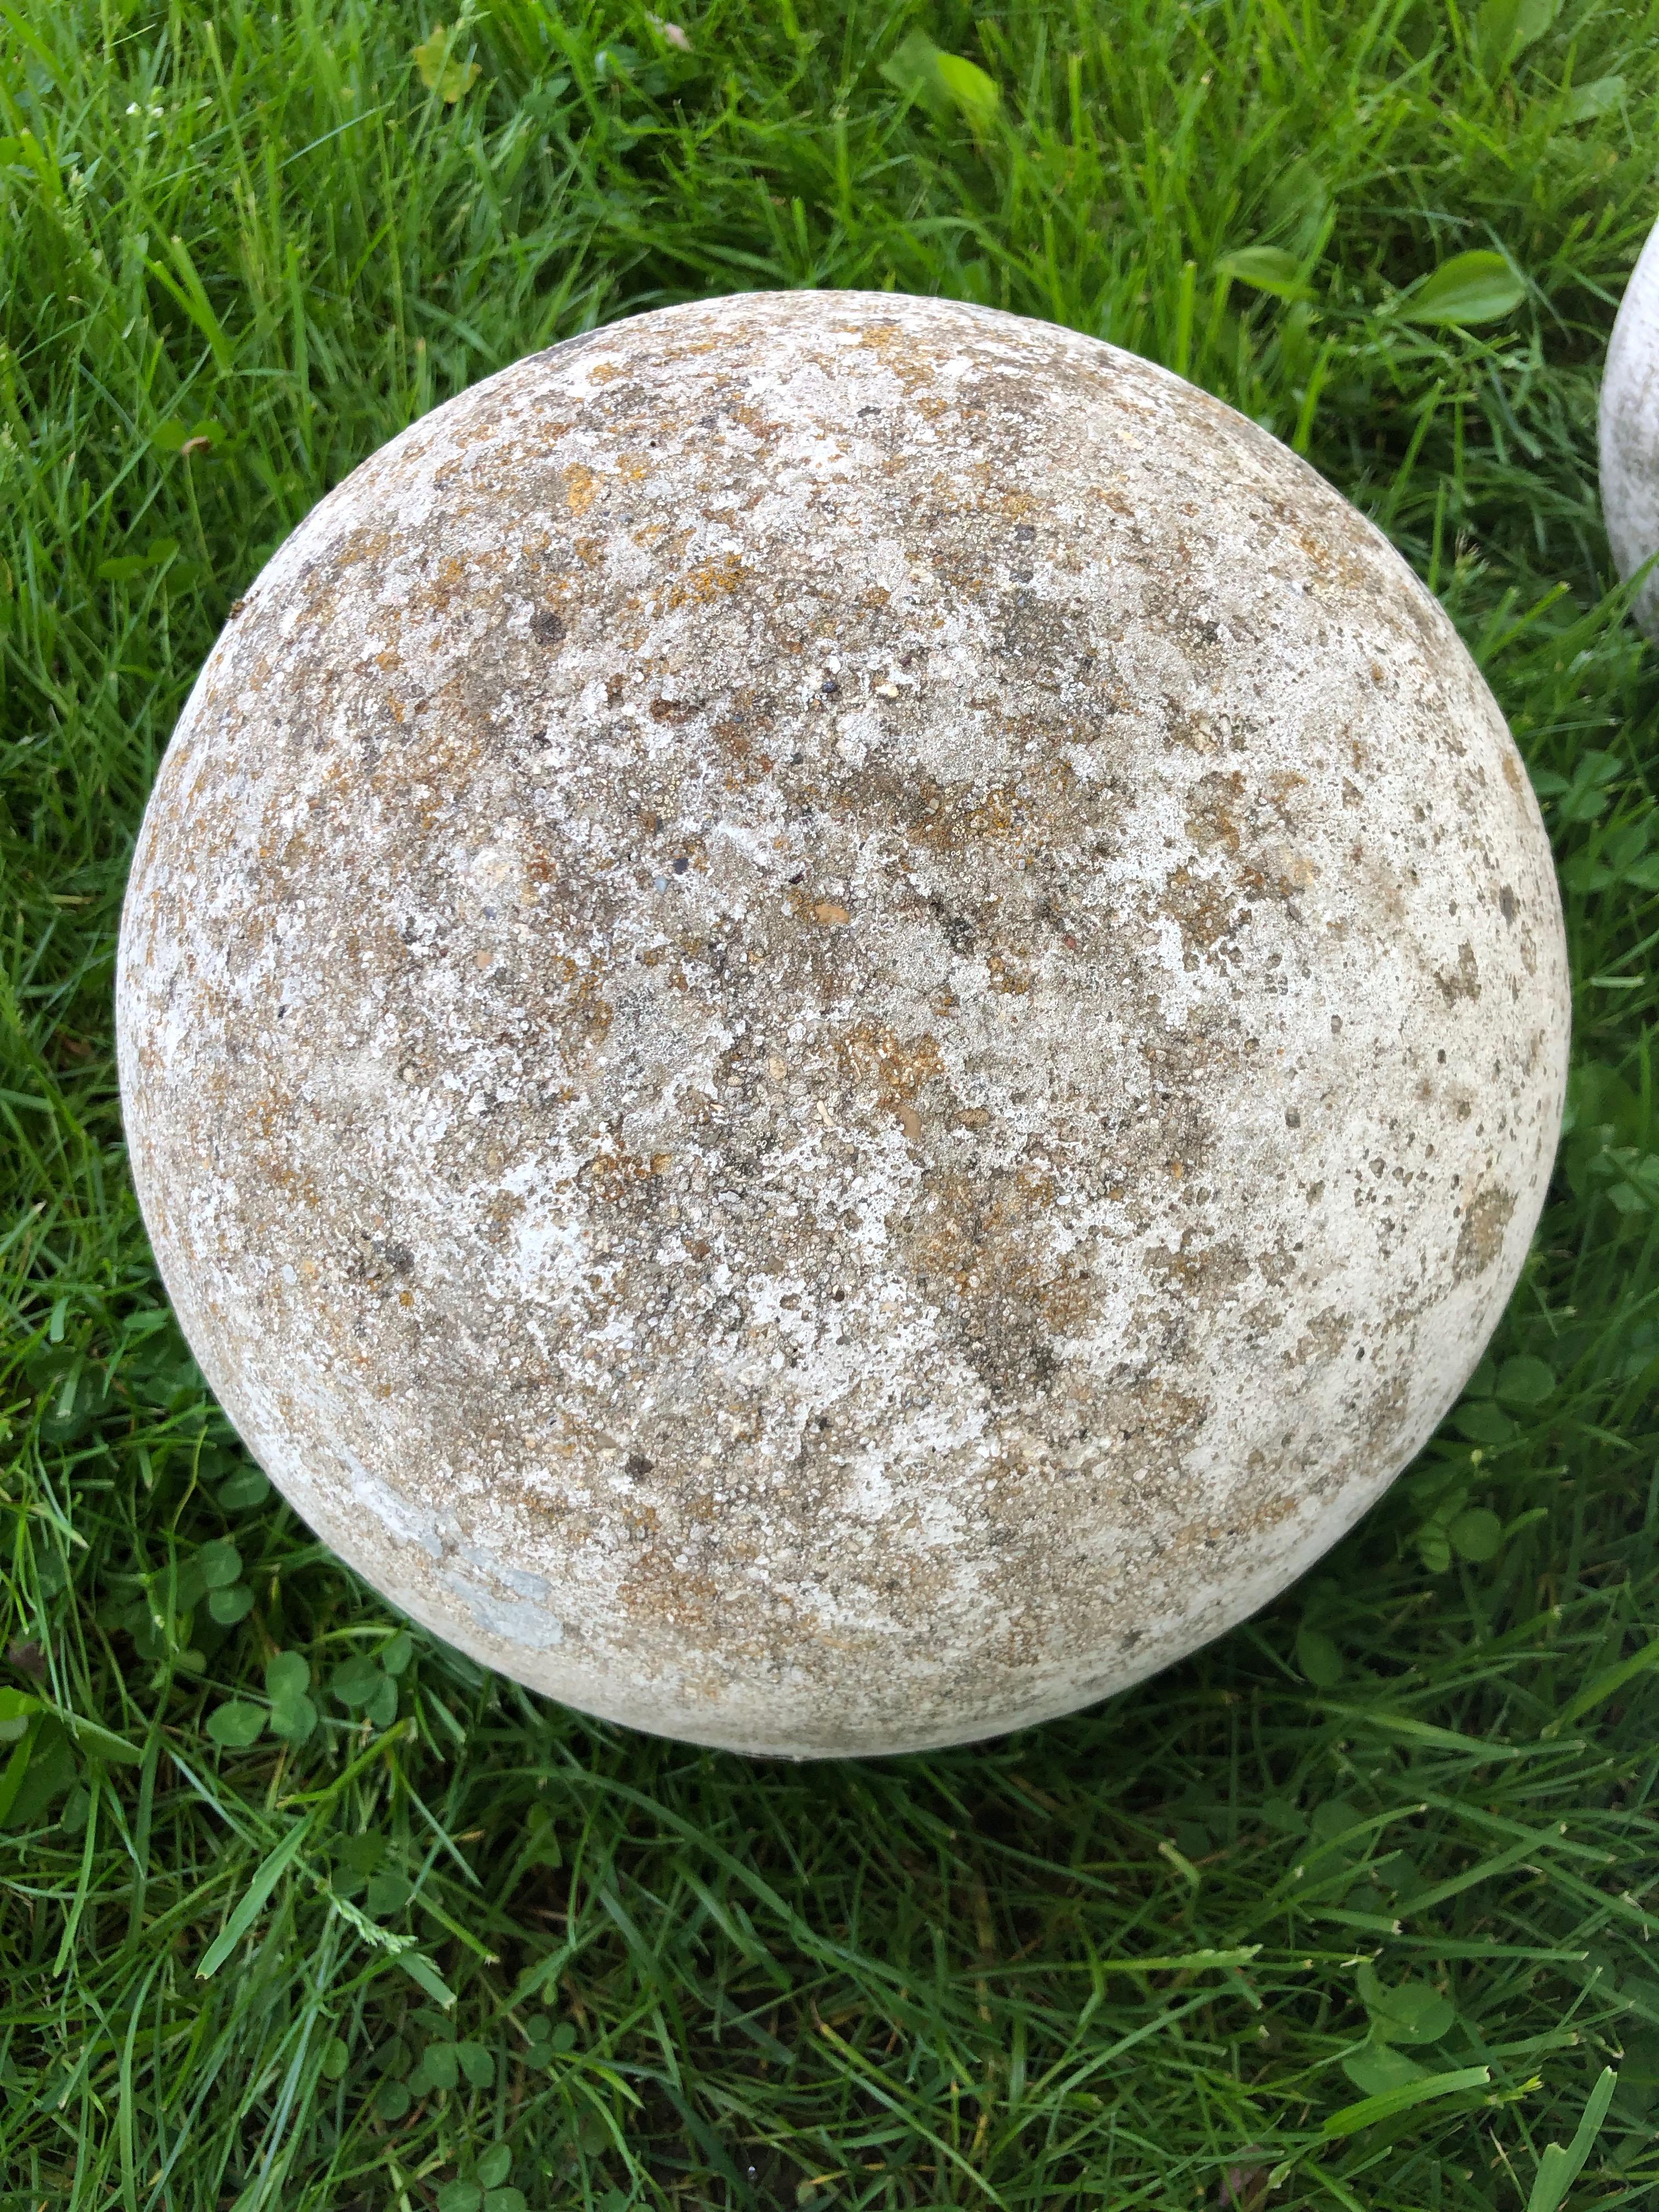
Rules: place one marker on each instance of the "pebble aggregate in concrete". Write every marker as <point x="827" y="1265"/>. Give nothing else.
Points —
<point x="839" y="1016"/>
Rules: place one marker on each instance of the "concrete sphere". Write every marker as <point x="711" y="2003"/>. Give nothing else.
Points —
<point x="839" y="1016"/>
<point x="1629" y="426"/>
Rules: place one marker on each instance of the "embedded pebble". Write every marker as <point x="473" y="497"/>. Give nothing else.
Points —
<point x="839" y="1016"/>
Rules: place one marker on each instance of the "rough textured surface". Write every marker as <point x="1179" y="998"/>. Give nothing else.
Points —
<point x="1629" y="429"/>
<point x="839" y="1016"/>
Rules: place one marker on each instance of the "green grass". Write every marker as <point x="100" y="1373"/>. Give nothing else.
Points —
<point x="454" y="1939"/>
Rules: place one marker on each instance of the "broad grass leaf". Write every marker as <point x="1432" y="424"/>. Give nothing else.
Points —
<point x="1411" y="2012"/>
<point x="420" y="1970"/>
<point x="1599" y="1098"/>
<point x="1470" y="287"/>
<point x="100" y="1742"/>
<point x="248" y="1486"/>
<point x="1525" y="1381"/>
<point x="1433" y="1547"/>
<point x="1476" y="1535"/>
<point x="477" y="2064"/>
<point x="388" y="1894"/>
<point x="40" y="1770"/>
<point x="1586" y="101"/>
<point x="288" y="1675"/>
<point x="219" y="1564"/>
<point x="1319" y="1661"/>
<point x="17" y="1708"/>
<point x="450" y="79"/>
<point x="229" y="1606"/>
<point x="945" y="85"/>
<point x="288" y="1678"/>
<point x="1266" y="269"/>
<point x="1505" y="29"/>
<point x="364" y="1853"/>
<point x="976" y="95"/>
<point x="1376" y="2067"/>
<point x="1365" y="2114"/>
<point x="1601" y="1687"/>
<point x="1558" y="2169"/>
<point x="294" y="1719"/>
<point x="440" y="2068"/>
<point x="1483" y="1423"/>
<point x="356" y="1680"/>
<point x="268" y="1873"/>
<point x="12" y="1774"/>
<point x="236" y="1723"/>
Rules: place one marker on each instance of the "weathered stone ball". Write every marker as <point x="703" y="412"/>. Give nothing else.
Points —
<point x="1629" y="428"/>
<point x="839" y="1016"/>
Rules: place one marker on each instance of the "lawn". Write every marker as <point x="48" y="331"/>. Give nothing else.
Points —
<point x="1355" y="1908"/>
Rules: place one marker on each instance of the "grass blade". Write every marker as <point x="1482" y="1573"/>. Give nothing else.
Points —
<point x="1558" y="2169"/>
<point x="269" y="1872"/>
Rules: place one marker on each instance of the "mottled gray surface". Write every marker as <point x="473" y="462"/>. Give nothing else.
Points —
<point x="1629" y="428"/>
<point x="839" y="1016"/>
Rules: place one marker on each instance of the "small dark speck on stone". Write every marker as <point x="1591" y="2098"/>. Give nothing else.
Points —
<point x="869" y="411"/>
<point x="541" y="741"/>
<point x="1025" y="530"/>
<point x="1022" y="575"/>
<point x="1507" y="904"/>
<point x="1292" y="1119"/>
<point x="280" y="1012"/>
<point x="635" y="1465"/>
<point x="681" y="865"/>
<point x="1336" y="1024"/>
<point x="545" y="626"/>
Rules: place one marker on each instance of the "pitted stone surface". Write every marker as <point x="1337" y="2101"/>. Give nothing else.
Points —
<point x="839" y="1016"/>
